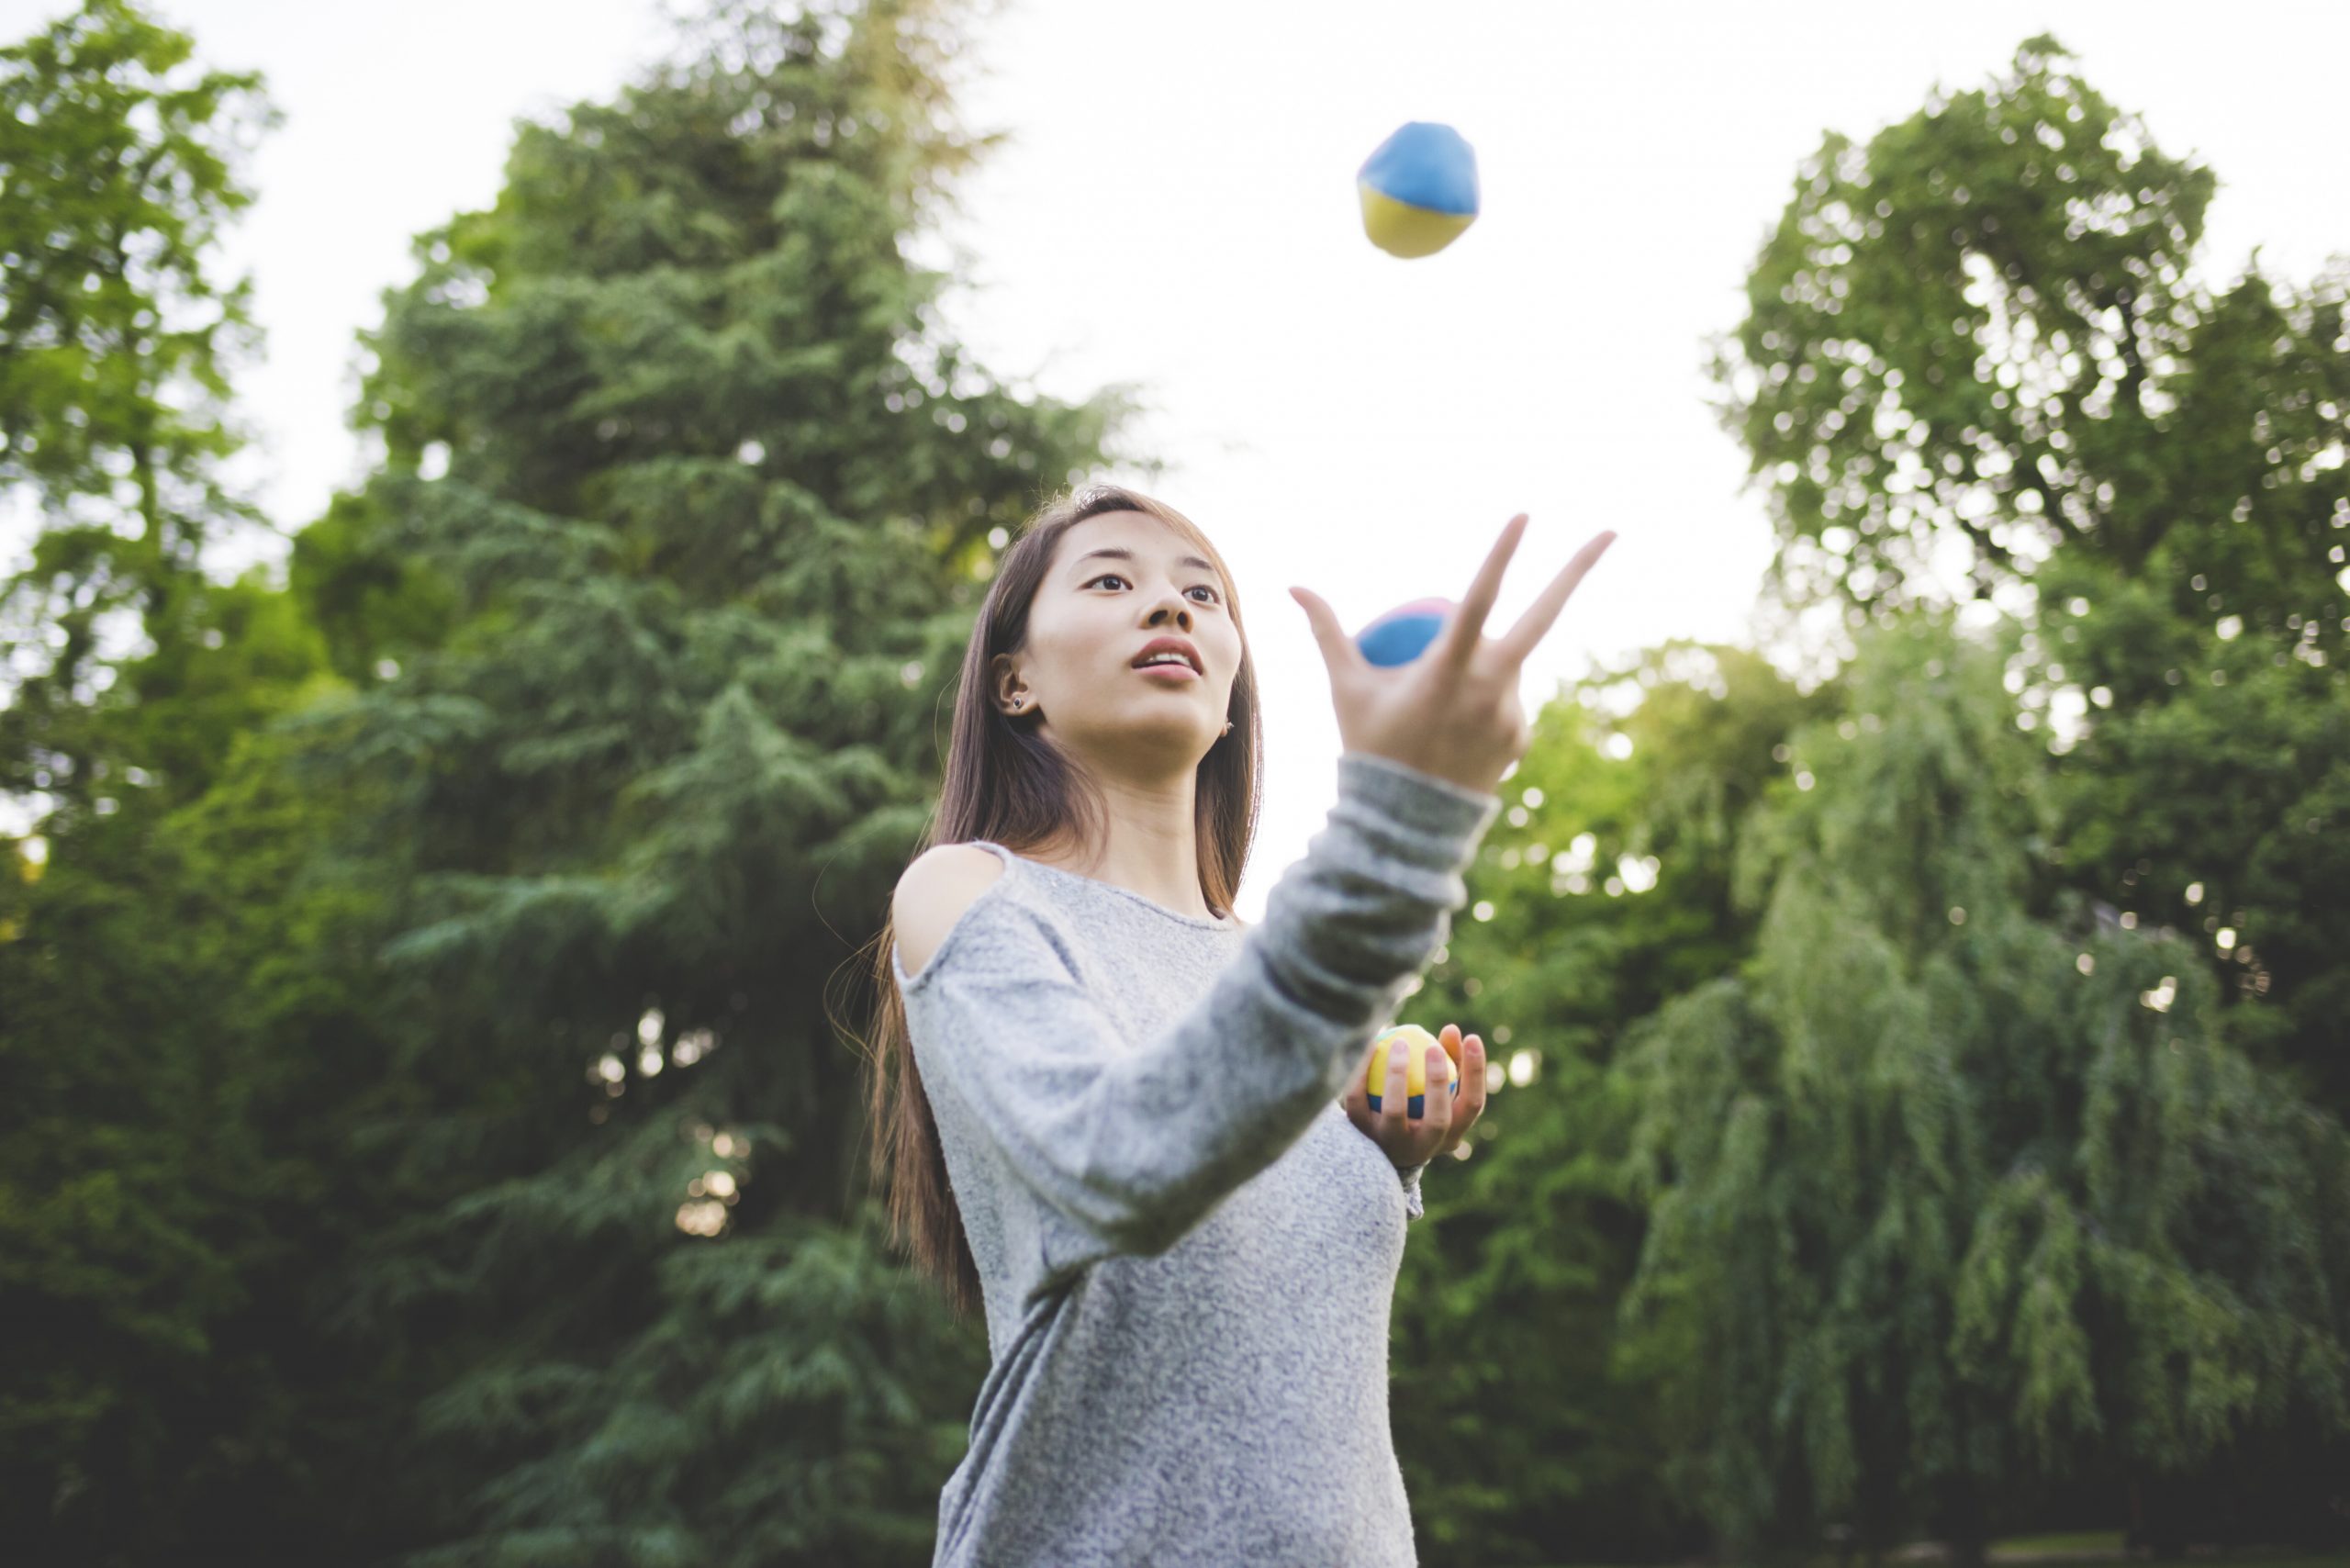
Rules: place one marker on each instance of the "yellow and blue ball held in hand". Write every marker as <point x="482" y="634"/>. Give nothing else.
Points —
<point x="1414" y="1072"/>
<point x="1418" y="189"/>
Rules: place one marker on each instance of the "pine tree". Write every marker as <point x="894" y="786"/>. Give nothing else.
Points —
<point x="676" y="453"/>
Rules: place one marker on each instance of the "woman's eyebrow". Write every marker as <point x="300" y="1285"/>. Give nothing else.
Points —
<point x="1129" y="555"/>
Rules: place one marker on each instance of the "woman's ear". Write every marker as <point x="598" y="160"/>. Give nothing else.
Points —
<point x="1011" y="695"/>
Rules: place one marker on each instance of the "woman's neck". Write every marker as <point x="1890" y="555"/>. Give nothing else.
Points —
<point x="1151" y="849"/>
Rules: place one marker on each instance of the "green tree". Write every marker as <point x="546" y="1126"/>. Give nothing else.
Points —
<point x="148" y="1227"/>
<point x="673" y="553"/>
<point x="116" y="169"/>
<point x="1974" y="327"/>
<point x="1980" y="341"/>
<point x="1957" y="1190"/>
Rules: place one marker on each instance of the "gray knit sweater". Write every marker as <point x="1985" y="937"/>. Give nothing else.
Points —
<point x="1187" y="1251"/>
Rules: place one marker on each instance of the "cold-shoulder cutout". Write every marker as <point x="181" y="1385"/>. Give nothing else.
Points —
<point x="931" y="894"/>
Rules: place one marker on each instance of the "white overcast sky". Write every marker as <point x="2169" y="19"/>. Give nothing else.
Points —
<point x="1175" y="208"/>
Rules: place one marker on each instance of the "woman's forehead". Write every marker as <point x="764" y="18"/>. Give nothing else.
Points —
<point x="1130" y="536"/>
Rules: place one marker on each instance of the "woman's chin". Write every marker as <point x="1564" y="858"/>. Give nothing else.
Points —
<point x="1172" y="738"/>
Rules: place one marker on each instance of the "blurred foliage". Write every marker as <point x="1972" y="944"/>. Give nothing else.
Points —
<point x="148" y="1226"/>
<point x="118" y="169"/>
<point x="2209" y="792"/>
<point x="1959" y="1185"/>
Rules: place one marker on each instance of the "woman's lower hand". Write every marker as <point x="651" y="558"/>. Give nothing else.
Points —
<point x="1409" y="1140"/>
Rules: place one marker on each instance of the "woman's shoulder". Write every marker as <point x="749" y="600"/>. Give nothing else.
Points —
<point x="933" y="893"/>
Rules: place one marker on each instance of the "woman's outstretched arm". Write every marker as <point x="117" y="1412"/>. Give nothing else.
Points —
<point x="1132" y="1145"/>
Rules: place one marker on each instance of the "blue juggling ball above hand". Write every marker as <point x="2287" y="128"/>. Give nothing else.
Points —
<point x="1403" y="633"/>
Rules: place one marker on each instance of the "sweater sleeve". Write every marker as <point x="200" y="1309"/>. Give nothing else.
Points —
<point x="1133" y="1143"/>
<point x="1410" y="1177"/>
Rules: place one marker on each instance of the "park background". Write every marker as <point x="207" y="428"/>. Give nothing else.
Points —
<point x="459" y="742"/>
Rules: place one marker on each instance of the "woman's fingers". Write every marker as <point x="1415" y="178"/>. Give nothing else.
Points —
<point x="1339" y="650"/>
<point x="1435" y="1120"/>
<point x="1454" y="712"/>
<point x="1466" y="629"/>
<point x="1395" y="1116"/>
<point x="1532" y="626"/>
<point x="1407" y="1140"/>
<point x="1473" y="1090"/>
<point x="1410" y="1139"/>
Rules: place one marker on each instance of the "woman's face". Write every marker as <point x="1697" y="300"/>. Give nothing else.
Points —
<point x="1117" y="581"/>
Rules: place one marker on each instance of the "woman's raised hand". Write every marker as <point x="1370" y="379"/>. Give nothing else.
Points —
<point x="1454" y="712"/>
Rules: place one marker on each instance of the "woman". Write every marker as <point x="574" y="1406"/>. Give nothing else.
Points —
<point x="1114" y="1116"/>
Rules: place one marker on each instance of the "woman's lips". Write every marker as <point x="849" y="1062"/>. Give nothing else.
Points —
<point x="1168" y="671"/>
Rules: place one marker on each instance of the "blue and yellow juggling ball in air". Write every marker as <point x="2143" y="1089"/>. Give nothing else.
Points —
<point x="1414" y="1072"/>
<point x="1418" y="189"/>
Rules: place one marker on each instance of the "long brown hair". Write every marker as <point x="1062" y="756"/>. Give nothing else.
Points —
<point x="1007" y="783"/>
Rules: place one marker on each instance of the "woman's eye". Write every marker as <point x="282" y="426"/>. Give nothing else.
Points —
<point x="1112" y="576"/>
